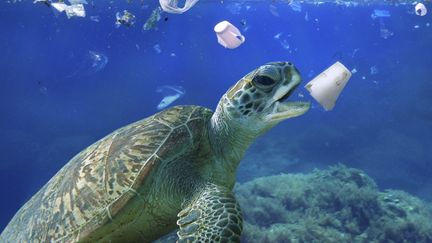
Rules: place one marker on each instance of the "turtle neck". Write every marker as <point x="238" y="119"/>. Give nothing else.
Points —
<point x="229" y="140"/>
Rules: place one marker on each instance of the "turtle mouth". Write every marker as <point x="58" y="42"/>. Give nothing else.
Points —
<point x="282" y="108"/>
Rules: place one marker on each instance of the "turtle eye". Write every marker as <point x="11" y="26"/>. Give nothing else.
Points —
<point x="263" y="81"/>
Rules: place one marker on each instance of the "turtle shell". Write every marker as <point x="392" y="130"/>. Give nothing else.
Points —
<point x="99" y="181"/>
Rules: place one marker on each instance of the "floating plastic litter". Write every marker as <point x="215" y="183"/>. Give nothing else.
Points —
<point x="420" y="9"/>
<point x="59" y="6"/>
<point x="126" y="18"/>
<point x="228" y="35"/>
<point x="153" y="19"/>
<point x="327" y="86"/>
<point x="171" y="93"/>
<point x="171" y="6"/>
<point x="75" y="10"/>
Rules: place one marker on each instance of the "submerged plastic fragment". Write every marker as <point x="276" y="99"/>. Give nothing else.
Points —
<point x="73" y="2"/>
<point x="71" y="10"/>
<point x="95" y="18"/>
<point x="171" y="6"/>
<point x="59" y="6"/>
<point x="98" y="61"/>
<point x="75" y="10"/>
<point x="46" y="2"/>
<point x="296" y="6"/>
<point x="171" y="93"/>
<point x="228" y="35"/>
<point x="380" y="13"/>
<point x="91" y="63"/>
<point x="125" y="18"/>
<point x="273" y="10"/>
<point x="327" y="86"/>
<point x="153" y="19"/>
<point x="385" y="33"/>
<point x="234" y="7"/>
<point x="157" y="48"/>
<point x="420" y="9"/>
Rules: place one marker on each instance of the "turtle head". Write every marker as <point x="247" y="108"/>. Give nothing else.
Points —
<point x="258" y="100"/>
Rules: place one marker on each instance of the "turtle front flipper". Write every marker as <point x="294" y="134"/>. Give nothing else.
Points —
<point x="213" y="215"/>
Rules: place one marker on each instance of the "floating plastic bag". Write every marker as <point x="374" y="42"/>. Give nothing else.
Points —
<point x="171" y="93"/>
<point x="59" y="6"/>
<point x="420" y="9"/>
<point x="91" y="63"/>
<point x="98" y="61"/>
<point x="171" y="6"/>
<point x="75" y="10"/>
<point x="296" y="6"/>
<point x="228" y="35"/>
<point x="327" y="86"/>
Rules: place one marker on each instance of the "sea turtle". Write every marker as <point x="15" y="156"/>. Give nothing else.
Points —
<point x="175" y="168"/>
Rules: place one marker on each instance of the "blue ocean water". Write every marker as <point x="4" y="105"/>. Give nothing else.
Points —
<point x="66" y="83"/>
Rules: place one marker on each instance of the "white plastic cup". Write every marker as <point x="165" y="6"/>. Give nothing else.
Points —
<point x="228" y="35"/>
<point x="420" y="9"/>
<point x="327" y="86"/>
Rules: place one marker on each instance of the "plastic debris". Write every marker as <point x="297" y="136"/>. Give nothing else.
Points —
<point x="273" y="10"/>
<point x="91" y="63"/>
<point x="98" y="61"/>
<point x="373" y="70"/>
<point x="126" y="19"/>
<point x="284" y="43"/>
<point x="234" y="7"/>
<point x="171" y="93"/>
<point x="245" y="25"/>
<point x="46" y="2"/>
<point x="157" y="48"/>
<point x="228" y="35"/>
<point x="380" y="13"/>
<point x="278" y="35"/>
<point x="95" y="18"/>
<point x="59" y="6"/>
<point x="75" y="10"/>
<point x="171" y="6"/>
<point x="327" y="86"/>
<point x="420" y="9"/>
<point x="384" y="32"/>
<point x="296" y="6"/>
<point x="74" y="2"/>
<point x="153" y="19"/>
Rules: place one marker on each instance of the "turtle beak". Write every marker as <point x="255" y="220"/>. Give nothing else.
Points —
<point x="281" y="109"/>
<point x="285" y="110"/>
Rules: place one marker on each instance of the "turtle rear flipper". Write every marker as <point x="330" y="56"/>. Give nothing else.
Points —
<point x="212" y="216"/>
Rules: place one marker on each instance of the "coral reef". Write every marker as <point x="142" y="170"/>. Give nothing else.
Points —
<point x="335" y="205"/>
